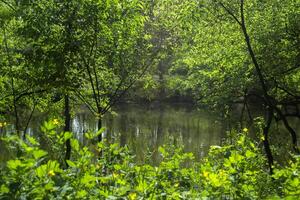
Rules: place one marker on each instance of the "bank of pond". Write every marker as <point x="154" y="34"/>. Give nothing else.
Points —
<point x="145" y="127"/>
<point x="153" y="152"/>
<point x="105" y="170"/>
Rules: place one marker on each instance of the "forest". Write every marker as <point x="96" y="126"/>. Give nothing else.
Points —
<point x="149" y="99"/>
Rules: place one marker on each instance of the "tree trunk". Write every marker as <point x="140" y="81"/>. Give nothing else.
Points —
<point x="269" y="100"/>
<point x="67" y="128"/>
<point x="99" y="126"/>
<point x="28" y="121"/>
<point x="17" y="126"/>
<point x="266" y="140"/>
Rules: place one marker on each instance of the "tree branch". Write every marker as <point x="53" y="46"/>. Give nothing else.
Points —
<point x="8" y="4"/>
<point x="230" y="13"/>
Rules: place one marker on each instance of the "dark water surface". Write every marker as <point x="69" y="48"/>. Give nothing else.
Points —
<point x="146" y="127"/>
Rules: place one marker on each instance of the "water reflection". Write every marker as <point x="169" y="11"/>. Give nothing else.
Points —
<point x="146" y="128"/>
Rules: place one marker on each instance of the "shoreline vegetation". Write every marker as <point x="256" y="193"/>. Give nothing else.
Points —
<point x="103" y="170"/>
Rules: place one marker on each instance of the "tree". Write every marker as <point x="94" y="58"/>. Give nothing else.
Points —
<point x="48" y="29"/>
<point x="241" y="49"/>
<point x="113" y="52"/>
<point x="91" y="50"/>
<point x="17" y="93"/>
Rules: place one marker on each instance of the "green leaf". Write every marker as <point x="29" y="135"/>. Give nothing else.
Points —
<point x="53" y="165"/>
<point x="39" y="153"/>
<point x="41" y="171"/>
<point x="88" y="180"/>
<point x="250" y="154"/>
<point x="117" y="167"/>
<point x="67" y="135"/>
<point x="92" y="135"/>
<point x="162" y="151"/>
<point x="14" y="164"/>
<point x="235" y="157"/>
<point x="81" y="194"/>
<point x="75" y="144"/>
<point x="32" y="140"/>
<point x="4" y="189"/>
<point x="48" y="126"/>
<point x="71" y="163"/>
<point x="295" y="182"/>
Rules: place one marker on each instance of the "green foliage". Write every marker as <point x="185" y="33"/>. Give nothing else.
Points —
<point x="237" y="170"/>
<point x="213" y="60"/>
<point x="95" y="50"/>
<point x="91" y="51"/>
<point x="107" y="171"/>
<point x="290" y="177"/>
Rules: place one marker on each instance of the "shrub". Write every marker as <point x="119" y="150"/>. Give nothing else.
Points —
<point x="237" y="170"/>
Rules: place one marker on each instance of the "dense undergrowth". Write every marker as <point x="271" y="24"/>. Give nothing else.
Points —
<point x="237" y="170"/>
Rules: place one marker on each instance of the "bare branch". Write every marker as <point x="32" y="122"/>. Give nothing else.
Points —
<point x="131" y="83"/>
<point x="231" y="13"/>
<point x="291" y="69"/>
<point x="88" y="104"/>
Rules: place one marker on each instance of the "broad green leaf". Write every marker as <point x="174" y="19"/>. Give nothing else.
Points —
<point x="32" y="140"/>
<point x="14" y="164"/>
<point x="67" y="135"/>
<point x="75" y="144"/>
<point x="71" y="163"/>
<point x="39" y="153"/>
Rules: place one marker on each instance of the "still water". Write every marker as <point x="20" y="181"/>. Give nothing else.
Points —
<point x="146" y="127"/>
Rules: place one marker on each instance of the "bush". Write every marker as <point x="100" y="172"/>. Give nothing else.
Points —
<point x="107" y="171"/>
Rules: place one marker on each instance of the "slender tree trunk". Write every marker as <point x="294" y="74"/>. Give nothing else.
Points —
<point x="249" y="113"/>
<point x="124" y="129"/>
<point x="242" y="113"/>
<point x="268" y="99"/>
<point x="99" y="126"/>
<point x="17" y="123"/>
<point x="9" y="58"/>
<point x="271" y="105"/>
<point x="266" y="139"/>
<point x="100" y="137"/>
<point x="290" y="129"/>
<point x="67" y="127"/>
<point x="28" y="121"/>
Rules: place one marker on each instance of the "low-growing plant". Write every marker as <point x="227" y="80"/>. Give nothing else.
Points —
<point x="236" y="170"/>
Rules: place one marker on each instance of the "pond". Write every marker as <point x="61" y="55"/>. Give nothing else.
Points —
<point x="146" y="127"/>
